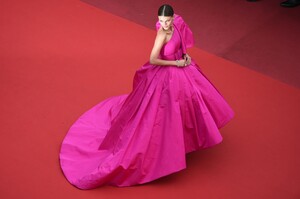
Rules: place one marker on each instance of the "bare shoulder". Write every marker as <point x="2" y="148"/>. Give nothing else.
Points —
<point x="161" y="34"/>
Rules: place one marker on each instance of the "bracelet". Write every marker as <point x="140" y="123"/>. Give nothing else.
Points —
<point x="177" y="63"/>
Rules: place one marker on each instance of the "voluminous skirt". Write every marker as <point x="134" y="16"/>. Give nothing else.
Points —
<point x="136" y="138"/>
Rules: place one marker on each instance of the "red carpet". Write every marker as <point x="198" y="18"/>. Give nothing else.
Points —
<point x="55" y="55"/>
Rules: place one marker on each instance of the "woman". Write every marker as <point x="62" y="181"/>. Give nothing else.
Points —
<point x="172" y="110"/>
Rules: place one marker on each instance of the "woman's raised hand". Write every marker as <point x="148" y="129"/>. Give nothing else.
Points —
<point x="188" y="59"/>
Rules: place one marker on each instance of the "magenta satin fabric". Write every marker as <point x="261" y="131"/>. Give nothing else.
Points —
<point x="141" y="136"/>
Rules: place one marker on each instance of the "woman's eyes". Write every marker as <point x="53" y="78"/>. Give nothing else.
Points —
<point x="166" y="21"/>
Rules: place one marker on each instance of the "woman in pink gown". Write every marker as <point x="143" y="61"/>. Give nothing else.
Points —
<point x="173" y="109"/>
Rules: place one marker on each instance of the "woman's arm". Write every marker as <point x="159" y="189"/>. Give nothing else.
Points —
<point x="159" y="42"/>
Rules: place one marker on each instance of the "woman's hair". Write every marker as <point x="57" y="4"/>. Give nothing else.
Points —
<point x="165" y="10"/>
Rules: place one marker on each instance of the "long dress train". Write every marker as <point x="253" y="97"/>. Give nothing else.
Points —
<point x="141" y="136"/>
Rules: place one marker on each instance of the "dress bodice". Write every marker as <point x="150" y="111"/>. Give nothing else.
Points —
<point x="172" y="49"/>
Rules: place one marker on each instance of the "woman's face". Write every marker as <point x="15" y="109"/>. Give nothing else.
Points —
<point x="165" y="22"/>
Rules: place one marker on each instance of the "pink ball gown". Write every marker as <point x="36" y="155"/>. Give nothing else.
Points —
<point x="144" y="135"/>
